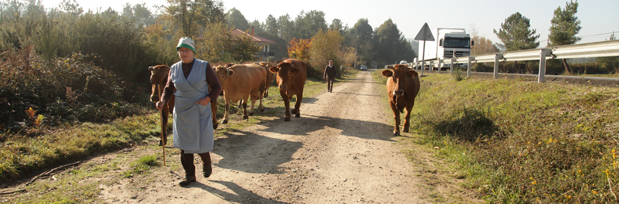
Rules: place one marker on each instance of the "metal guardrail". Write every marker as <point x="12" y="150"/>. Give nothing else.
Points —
<point x="596" y="49"/>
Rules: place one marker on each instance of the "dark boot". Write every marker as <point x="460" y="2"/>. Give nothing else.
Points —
<point x="190" y="169"/>
<point x="188" y="180"/>
<point x="207" y="168"/>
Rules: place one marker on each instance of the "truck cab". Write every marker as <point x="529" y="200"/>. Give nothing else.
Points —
<point x="454" y="42"/>
<point x="449" y="41"/>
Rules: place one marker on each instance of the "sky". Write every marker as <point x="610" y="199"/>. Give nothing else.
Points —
<point x="598" y="18"/>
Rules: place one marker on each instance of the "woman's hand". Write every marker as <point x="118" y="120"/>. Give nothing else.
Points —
<point x="204" y="101"/>
<point x="159" y="105"/>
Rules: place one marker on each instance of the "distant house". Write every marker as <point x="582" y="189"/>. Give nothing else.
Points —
<point x="265" y="43"/>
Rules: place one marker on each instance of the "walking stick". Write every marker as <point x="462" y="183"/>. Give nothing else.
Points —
<point x="162" y="125"/>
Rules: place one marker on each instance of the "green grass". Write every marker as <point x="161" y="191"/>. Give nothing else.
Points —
<point x="523" y="142"/>
<point x="141" y="165"/>
<point x="84" y="184"/>
<point x="22" y="155"/>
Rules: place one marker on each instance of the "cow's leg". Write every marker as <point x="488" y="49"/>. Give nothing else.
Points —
<point x="407" y="118"/>
<point x="297" y="105"/>
<point x="164" y="125"/>
<point x="251" y="109"/>
<point x="227" y="111"/>
<point x="286" y="104"/>
<point x="245" y="116"/>
<point x="396" y="117"/>
<point x="214" y="114"/>
<point x="261" y="107"/>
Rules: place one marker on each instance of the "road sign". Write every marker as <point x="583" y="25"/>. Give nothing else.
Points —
<point x="425" y="33"/>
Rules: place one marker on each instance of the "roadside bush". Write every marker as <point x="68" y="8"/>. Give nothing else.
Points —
<point x="482" y="67"/>
<point x="61" y="90"/>
<point x="458" y="73"/>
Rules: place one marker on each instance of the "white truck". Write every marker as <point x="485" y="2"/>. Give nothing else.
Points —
<point x="448" y="41"/>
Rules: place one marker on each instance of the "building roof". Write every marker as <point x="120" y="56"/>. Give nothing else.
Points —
<point x="255" y="38"/>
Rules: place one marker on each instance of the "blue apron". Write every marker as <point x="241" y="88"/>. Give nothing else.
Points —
<point x="193" y="129"/>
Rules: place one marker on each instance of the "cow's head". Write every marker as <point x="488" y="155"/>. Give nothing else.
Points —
<point x="158" y="77"/>
<point x="400" y="74"/>
<point x="223" y="72"/>
<point x="283" y="70"/>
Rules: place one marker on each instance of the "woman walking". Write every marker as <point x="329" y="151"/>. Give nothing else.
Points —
<point x="188" y="80"/>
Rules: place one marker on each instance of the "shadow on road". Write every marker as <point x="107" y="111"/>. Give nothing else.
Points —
<point x="310" y="123"/>
<point x="349" y="93"/>
<point x="253" y="153"/>
<point x="242" y="194"/>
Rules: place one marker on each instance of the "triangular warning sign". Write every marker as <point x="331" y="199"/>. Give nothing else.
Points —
<point x="425" y="33"/>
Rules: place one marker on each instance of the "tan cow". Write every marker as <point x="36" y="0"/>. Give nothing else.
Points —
<point x="269" y="77"/>
<point x="158" y="80"/>
<point x="402" y="87"/>
<point x="291" y="76"/>
<point x="242" y="81"/>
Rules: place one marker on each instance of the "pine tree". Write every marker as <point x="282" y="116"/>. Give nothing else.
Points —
<point x="516" y="34"/>
<point x="564" y="27"/>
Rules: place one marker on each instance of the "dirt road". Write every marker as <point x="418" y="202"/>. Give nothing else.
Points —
<point x="339" y="151"/>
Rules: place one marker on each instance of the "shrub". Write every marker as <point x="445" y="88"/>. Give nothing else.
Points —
<point x="458" y="73"/>
<point x="482" y="67"/>
<point x="62" y="90"/>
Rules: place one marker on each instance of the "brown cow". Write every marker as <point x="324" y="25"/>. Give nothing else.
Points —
<point x="291" y="76"/>
<point x="402" y="87"/>
<point x="241" y="81"/>
<point x="269" y="77"/>
<point x="158" y="79"/>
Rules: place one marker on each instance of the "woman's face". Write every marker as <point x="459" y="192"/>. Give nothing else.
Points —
<point x="185" y="54"/>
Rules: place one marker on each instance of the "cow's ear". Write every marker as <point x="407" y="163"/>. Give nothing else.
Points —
<point x="274" y="70"/>
<point x="387" y="73"/>
<point x="294" y="70"/>
<point x="230" y="72"/>
<point x="412" y="73"/>
<point x="151" y="68"/>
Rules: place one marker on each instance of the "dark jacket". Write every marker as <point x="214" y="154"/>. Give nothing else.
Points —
<point x="330" y="71"/>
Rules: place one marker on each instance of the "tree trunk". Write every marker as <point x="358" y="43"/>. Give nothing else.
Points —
<point x="567" y="67"/>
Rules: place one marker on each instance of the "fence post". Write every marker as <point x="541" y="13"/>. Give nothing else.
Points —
<point x="440" y="63"/>
<point x="451" y="66"/>
<point x="423" y="66"/>
<point x="497" y="57"/>
<point x="542" y="64"/>
<point x="468" y="68"/>
<point x="431" y="67"/>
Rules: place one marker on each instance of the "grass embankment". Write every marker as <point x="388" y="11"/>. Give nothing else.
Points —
<point x="523" y="142"/>
<point x="23" y="155"/>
